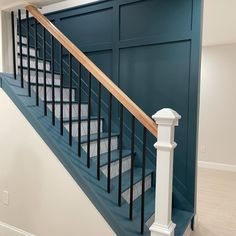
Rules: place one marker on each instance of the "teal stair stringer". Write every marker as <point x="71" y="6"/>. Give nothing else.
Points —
<point x="106" y="204"/>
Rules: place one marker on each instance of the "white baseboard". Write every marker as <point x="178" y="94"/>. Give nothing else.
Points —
<point x="217" y="166"/>
<point x="9" y="230"/>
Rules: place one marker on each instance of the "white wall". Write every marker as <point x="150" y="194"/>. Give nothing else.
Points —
<point x="44" y="199"/>
<point x="1" y="35"/>
<point x="217" y="138"/>
<point x="219" y="20"/>
<point x="6" y="58"/>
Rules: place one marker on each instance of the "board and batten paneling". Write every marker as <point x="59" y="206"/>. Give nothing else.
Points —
<point x="151" y="49"/>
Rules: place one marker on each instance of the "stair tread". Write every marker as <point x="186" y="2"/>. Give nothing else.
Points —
<point x="137" y="177"/>
<point x="33" y="57"/>
<point x="25" y="45"/>
<point x="114" y="156"/>
<point x="48" y="73"/>
<point x="50" y="85"/>
<point x="40" y="70"/>
<point x="181" y="219"/>
<point x="83" y="118"/>
<point x="67" y="102"/>
<point x="94" y="137"/>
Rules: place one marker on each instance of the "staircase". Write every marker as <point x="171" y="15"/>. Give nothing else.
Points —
<point x="84" y="136"/>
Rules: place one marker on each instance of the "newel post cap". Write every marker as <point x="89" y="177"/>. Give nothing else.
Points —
<point x="166" y="116"/>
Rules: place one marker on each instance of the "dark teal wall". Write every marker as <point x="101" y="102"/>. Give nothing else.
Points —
<point x="151" y="49"/>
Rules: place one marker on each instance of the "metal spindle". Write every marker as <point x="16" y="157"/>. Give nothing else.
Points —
<point x="13" y="43"/>
<point x="20" y="45"/>
<point x="89" y="118"/>
<point x="70" y="99"/>
<point x="36" y="60"/>
<point x="53" y="80"/>
<point x="132" y="169"/>
<point x="120" y="155"/>
<point x="44" y="71"/>
<point x="109" y="145"/>
<point x="61" y="89"/>
<point x="79" y="109"/>
<point x="99" y="130"/>
<point x="143" y="178"/>
<point x="28" y="53"/>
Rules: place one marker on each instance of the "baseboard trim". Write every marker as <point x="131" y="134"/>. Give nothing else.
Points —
<point x="217" y="166"/>
<point x="9" y="230"/>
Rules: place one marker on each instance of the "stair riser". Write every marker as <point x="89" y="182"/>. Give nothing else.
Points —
<point x="103" y="146"/>
<point x="57" y="93"/>
<point x="23" y="39"/>
<point x="84" y="127"/>
<point x="84" y="110"/>
<point x="24" y="51"/>
<point x="137" y="189"/>
<point x="40" y="77"/>
<point x="115" y="167"/>
<point x="33" y="64"/>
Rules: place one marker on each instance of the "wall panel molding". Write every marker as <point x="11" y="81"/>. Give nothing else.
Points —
<point x="151" y="49"/>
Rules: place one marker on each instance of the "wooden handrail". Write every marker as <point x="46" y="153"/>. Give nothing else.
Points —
<point x="138" y="113"/>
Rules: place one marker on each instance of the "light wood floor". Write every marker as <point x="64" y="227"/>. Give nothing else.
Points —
<point x="216" y="204"/>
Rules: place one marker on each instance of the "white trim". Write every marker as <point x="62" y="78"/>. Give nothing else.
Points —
<point x="217" y="166"/>
<point x="9" y="230"/>
<point x="64" y="5"/>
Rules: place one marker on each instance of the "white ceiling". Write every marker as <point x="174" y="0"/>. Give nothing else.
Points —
<point x="219" y="22"/>
<point x="45" y="5"/>
<point x="64" y="4"/>
<point x="11" y="4"/>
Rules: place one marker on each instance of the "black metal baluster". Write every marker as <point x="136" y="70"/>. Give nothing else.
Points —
<point x="44" y="71"/>
<point x="79" y="109"/>
<point x="61" y="89"/>
<point x="109" y="146"/>
<point x="99" y="130"/>
<point x="13" y="43"/>
<point x="20" y="42"/>
<point x="53" y="80"/>
<point x="132" y="169"/>
<point x="36" y="61"/>
<point x="120" y="154"/>
<point x="28" y="53"/>
<point x="143" y="178"/>
<point x="70" y="99"/>
<point x="89" y="117"/>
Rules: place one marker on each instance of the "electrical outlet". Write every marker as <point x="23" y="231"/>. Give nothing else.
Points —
<point x="5" y="198"/>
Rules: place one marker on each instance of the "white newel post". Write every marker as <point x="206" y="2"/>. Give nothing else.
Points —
<point x="166" y="119"/>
